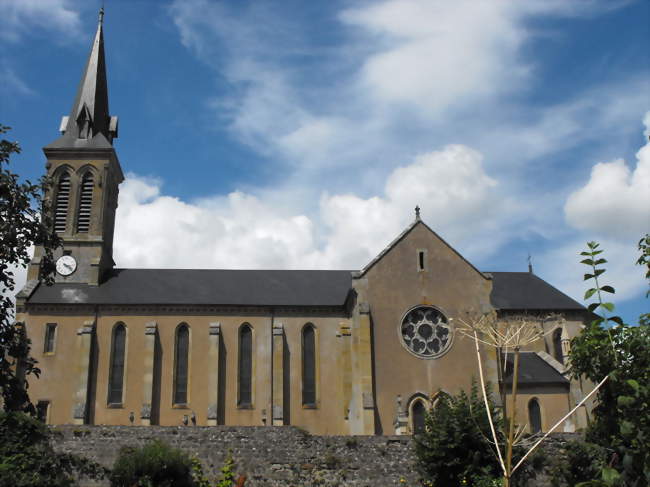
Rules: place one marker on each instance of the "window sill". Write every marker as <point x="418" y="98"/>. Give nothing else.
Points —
<point x="310" y="406"/>
<point x="180" y="406"/>
<point x="245" y="406"/>
<point x="115" y="405"/>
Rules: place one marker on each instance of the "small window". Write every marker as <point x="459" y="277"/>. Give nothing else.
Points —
<point x="418" y="411"/>
<point x="182" y="363"/>
<point x="308" y="366"/>
<point x="85" y="203"/>
<point x="534" y="416"/>
<point x="245" y="398"/>
<point x="116" y="378"/>
<point x="421" y="260"/>
<point x="50" y="337"/>
<point x="42" y="410"/>
<point x="62" y="202"/>
<point x="557" y="345"/>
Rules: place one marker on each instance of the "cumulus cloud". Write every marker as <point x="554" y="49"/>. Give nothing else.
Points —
<point x="616" y="199"/>
<point x="20" y="16"/>
<point x="242" y="230"/>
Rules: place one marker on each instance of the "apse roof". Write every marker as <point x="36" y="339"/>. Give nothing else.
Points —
<point x="511" y="290"/>
<point x="533" y="370"/>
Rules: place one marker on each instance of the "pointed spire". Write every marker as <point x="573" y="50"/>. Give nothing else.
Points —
<point x="89" y="115"/>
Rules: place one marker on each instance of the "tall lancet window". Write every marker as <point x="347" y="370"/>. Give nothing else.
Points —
<point x="534" y="416"/>
<point x="309" y="365"/>
<point x="62" y="202"/>
<point x="116" y="374"/>
<point x="245" y="396"/>
<point x="181" y="364"/>
<point x="418" y="411"/>
<point x="85" y="203"/>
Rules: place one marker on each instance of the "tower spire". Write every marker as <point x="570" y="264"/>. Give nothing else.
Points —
<point x="89" y="123"/>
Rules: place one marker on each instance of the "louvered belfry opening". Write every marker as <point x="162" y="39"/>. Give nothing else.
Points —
<point x="62" y="201"/>
<point x="85" y="203"/>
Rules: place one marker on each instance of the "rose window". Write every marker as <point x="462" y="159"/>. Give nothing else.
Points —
<point x="426" y="332"/>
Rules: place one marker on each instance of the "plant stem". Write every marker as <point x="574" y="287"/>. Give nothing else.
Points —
<point x="513" y="413"/>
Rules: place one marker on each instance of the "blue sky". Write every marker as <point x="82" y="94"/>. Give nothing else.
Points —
<point x="302" y="134"/>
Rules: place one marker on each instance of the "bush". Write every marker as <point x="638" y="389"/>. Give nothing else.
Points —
<point x="454" y="449"/>
<point x="155" y="464"/>
<point x="28" y="459"/>
<point x="579" y="462"/>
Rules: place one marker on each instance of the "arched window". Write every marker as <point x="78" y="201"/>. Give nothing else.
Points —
<point x="181" y="361"/>
<point x="62" y="201"/>
<point x="116" y="374"/>
<point x="245" y="370"/>
<point x="418" y="412"/>
<point x="85" y="203"/>
<point x="534" y="416"/>
<point x="557" y="345"/>
<point x="309" y="365"/>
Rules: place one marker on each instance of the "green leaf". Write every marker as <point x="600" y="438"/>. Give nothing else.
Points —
<point x="592" y="244"/>
<point x="590" y="292"/>
<point x="610" y="475"/>
<point x="587" y="262"/>
<point x="633" y="384"/>
<point x="627" y="428"/>
<point x="587" y="277"/>
<point x="596" y="252"/>
<point x="617" y="320"/>
<point x="625" y="401"/>
<point x="592" y="307"/>
<point x="608" y="306"/>
<point x="608" y="289"/>
<point x="600" y="261"/>
<point x="599" y="272"/>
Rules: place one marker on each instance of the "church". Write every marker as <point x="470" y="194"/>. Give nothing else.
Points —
<point x="336" y="352"/>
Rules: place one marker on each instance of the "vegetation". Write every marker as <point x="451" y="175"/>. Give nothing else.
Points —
<point x="28" y="459"/>
<point x="25" y="221"/>
<point x="620" y="353"/>
<point x="155" y="464"/>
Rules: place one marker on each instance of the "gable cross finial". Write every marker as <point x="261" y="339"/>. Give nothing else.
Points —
<point x="417" y="212"/>
<point x="530" y="263"/>
<point x="101" y="14"/>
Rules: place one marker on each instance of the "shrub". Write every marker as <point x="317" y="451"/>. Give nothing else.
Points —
<point x="28" y="459"/>
<point x="155" y="464"/>
<point x="580" y="461"/>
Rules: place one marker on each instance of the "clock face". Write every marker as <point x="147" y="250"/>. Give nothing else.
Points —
<point x="66" y="265"/>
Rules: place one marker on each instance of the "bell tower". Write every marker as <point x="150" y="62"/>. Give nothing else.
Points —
<point x="85" y="173"/>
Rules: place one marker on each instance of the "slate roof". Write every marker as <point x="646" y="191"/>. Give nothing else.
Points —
<point x="205" y="287"/>
<point x="526" y="291"/>
<point x="227" y="287"/>
<point x="533" y="371"/>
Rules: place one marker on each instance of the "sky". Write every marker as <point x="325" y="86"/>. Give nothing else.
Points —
<point x="301" y="135"/>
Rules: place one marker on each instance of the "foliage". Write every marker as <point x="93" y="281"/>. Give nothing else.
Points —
<point x="25" y="221"/>
<point x="579" y="462"/>
<point x="621" y="418"/>
<point x="155" y="464"/>
<point x="227" y="478"/>
<point x="28" y="459"/>
<point x="454" y="447"/>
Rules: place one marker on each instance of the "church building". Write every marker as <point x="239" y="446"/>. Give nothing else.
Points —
<point x="339" y="352"/>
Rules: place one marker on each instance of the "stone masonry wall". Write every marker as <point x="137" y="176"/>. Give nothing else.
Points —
<point x="269" y="457"/>
<point x="272" y="456"/>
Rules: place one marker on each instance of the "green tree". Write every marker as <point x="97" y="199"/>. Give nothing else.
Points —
<point x="25" y="221"/>
<point x="621" y="417"/>
<point x="454" y="448"/>
<point x="27" y="458"/>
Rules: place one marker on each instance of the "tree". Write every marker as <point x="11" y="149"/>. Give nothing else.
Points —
<point x="621" y="418"/>
<point x="25" y="221"/>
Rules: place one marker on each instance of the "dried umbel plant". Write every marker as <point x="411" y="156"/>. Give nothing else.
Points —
<point x="513" y="332"/>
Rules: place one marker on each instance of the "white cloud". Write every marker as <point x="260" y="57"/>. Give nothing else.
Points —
<point x="561" y="266"/>
<point x="11" y="84"/>
<point x="616" y="200"/>
<point x="245" y="231"/>
<point x="20" y="16"/>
